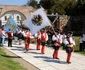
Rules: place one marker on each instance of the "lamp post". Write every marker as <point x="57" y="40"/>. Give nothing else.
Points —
<point x="0" y="16"/>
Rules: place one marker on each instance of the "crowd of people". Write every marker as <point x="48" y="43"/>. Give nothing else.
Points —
<point x="42" y="36"/>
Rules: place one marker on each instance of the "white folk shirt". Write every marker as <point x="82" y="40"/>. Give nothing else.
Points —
<point x="72" y="40"/>
<point x="61" y="38"/>
<point x="38" y="36"/>
<point x="54" y="38"/>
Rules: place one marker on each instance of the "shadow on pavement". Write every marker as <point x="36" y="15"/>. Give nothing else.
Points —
<point x="19" y="48"/>
<point x="34" y="52"/>
<point x="49" y="59"/>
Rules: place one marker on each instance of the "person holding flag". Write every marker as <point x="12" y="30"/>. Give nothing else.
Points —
<point x="44" y="38"/>
<point x="26" y="35"/>
<point x="56" y="45"/>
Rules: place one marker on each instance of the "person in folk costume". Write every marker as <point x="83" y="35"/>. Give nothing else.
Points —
<point x="10" y="36"/>
<point x="63" y="41"/>
<point x="70" y="45"/>
<point x="44" y="38"/>
<point x="26" y="35"/>
<point x="38" y="35"/>
<point x="56" y="45"/>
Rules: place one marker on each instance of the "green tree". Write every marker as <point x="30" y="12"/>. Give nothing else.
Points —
<point x="54" y="6"/>
<point x="70" y="8"/>
<point x="32" y="3"/>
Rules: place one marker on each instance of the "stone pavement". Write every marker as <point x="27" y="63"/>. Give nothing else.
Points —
<point x="45" y="61"/>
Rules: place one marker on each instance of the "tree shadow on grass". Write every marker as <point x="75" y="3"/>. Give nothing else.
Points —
<point x="10" y="56"/>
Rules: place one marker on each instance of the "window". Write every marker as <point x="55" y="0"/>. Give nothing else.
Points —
<point x="17" y="17"/>
<point x="5" y="18"/>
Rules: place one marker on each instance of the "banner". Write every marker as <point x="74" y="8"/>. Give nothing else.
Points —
<point x="37" y="20"/>
<point x="11" y="24"/>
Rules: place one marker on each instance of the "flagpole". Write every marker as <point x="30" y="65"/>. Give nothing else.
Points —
<point x="52" y="23"/>
<point x="52" y="26"/>
<point x="55" y="20"/>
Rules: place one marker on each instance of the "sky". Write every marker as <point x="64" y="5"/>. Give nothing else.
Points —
<point x="14" y="2"/>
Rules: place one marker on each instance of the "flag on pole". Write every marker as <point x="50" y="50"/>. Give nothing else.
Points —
<point x="11" y="24"/>
<point x="37" y="20"/>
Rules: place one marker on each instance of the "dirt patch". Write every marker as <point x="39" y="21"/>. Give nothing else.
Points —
<point x="22" y="62"/>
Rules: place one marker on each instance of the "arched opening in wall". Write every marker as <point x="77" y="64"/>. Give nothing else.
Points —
<point x="18" y="17"/>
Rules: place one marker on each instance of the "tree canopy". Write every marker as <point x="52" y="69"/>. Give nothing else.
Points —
<point x="62" y="7"/>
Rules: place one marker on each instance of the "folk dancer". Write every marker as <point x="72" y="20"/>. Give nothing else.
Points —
<point x="10" y="36"/>
<point x="26" y="35"/>
<point x="38" y="35"/>
<point x="56" y="45"/>
<point x="44" y="38"/>
<point x="70" y="45"/>
<point x="63" y="41"/>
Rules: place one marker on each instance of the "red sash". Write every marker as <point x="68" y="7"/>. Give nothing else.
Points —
<point x="56" y="44"/>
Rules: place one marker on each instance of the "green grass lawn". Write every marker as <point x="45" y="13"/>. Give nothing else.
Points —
<point x="7" y="63"/>
<point x="76" y="48"/>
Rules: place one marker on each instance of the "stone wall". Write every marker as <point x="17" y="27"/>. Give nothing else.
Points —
<point x="25" y="10"/>
<point x="63" y="22"/>
<point x="72" y="23"/>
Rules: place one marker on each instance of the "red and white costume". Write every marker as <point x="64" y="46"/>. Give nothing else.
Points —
<point x="44" y="38"/>
<point x="27" y="39"/>
<point x="69" y="49"/>
<point x="38" y="36"/>
<point x="56" y="45"/>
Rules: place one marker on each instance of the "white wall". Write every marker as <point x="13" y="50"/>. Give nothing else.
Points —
<point x="13" y="14"/>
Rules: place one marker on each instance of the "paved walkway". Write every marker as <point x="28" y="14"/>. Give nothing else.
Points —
<point x="45" y="61"/>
